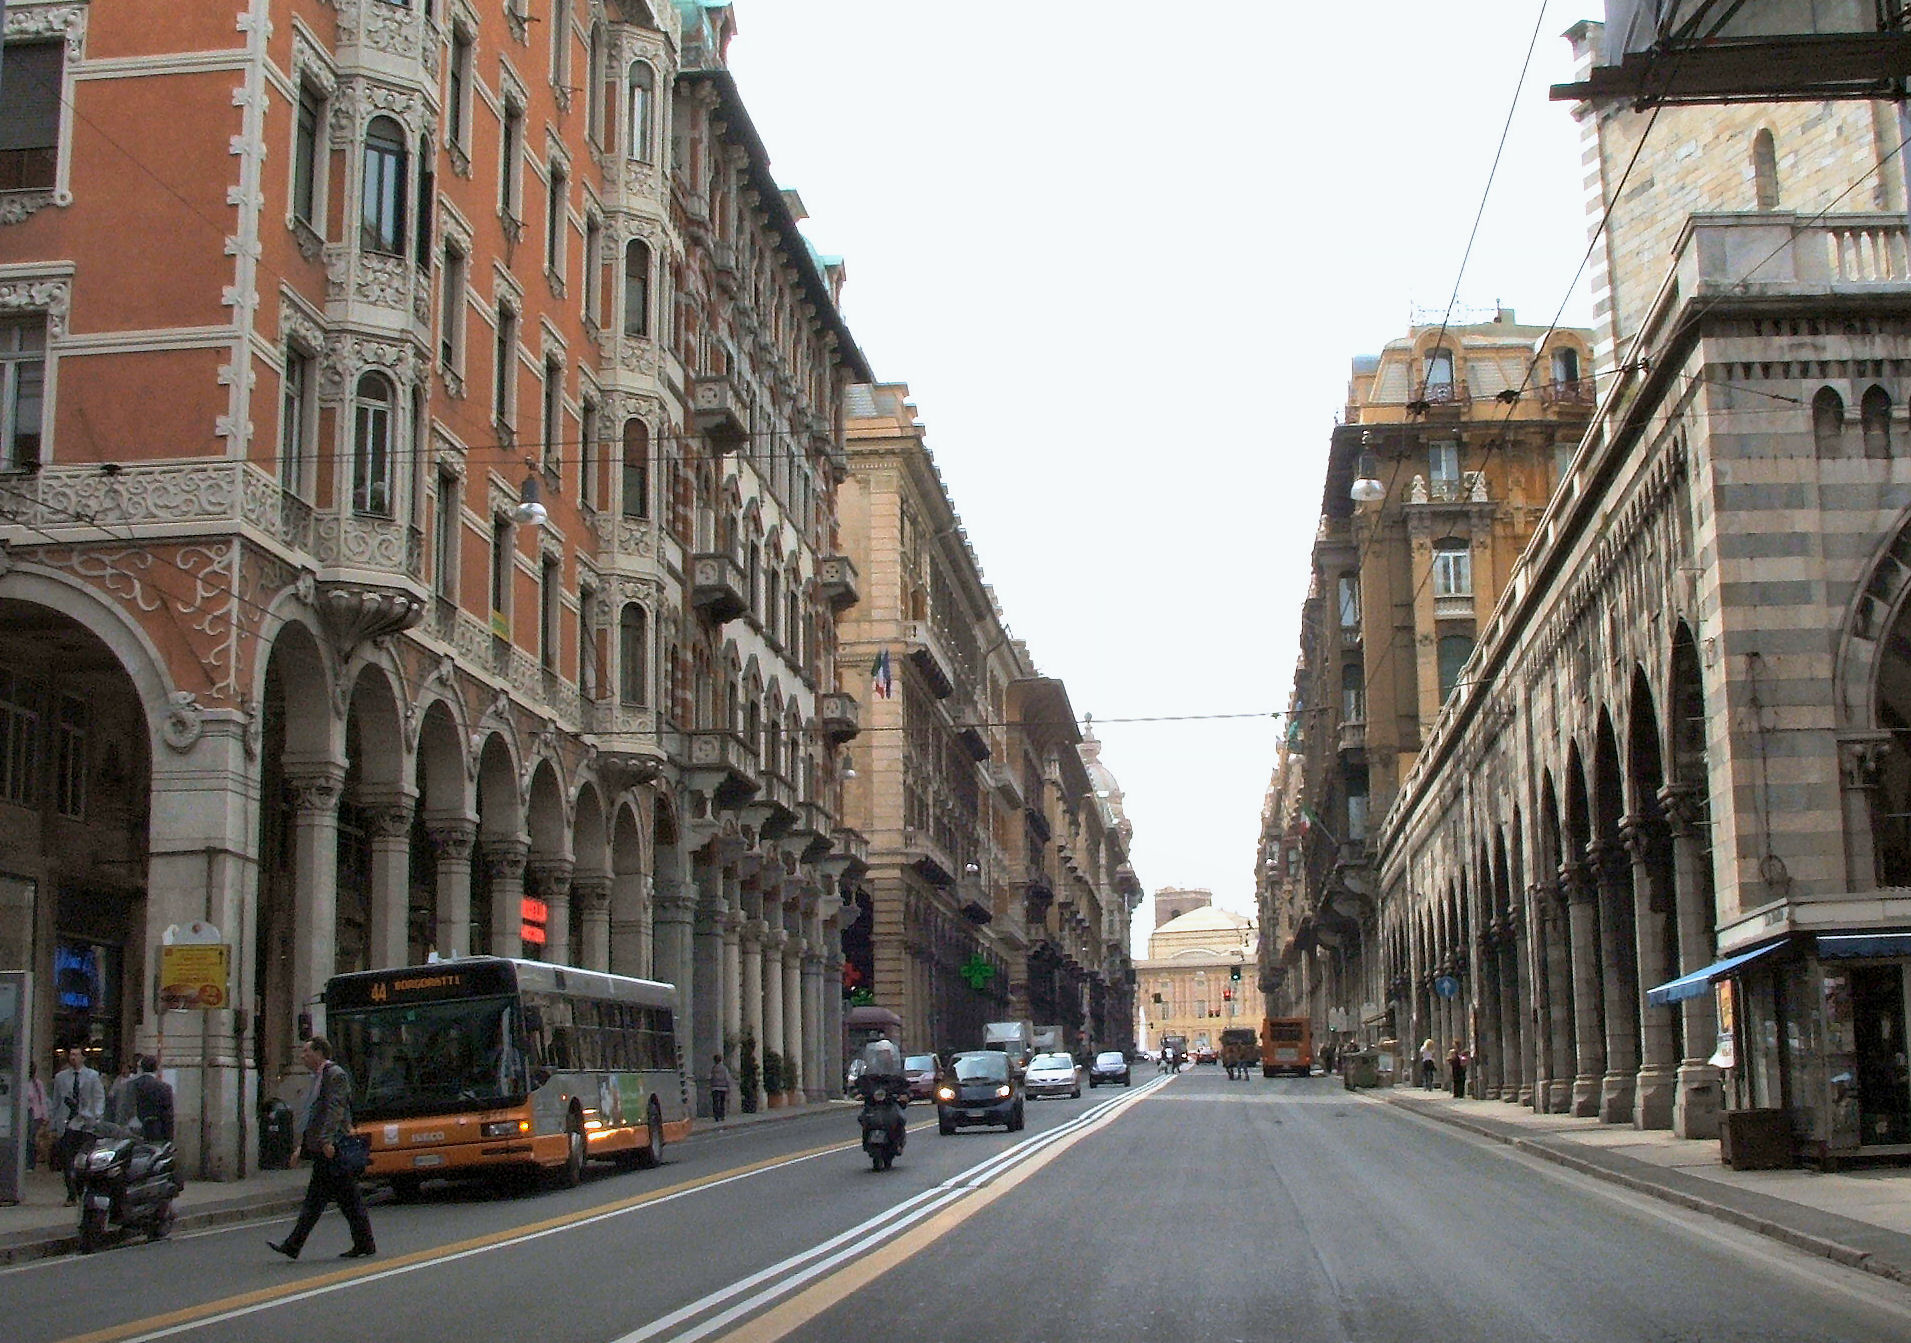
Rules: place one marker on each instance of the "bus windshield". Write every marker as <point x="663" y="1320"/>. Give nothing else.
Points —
<point x="434" y="1057"/>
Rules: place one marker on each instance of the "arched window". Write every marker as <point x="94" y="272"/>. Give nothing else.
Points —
<point x="639" y="99"/>
<point x="636" y="288"/>
<point x="596" y="95"/>
<point x="1765" y="170"/>
<point x="1353" y="694"/>
<point x="633" y="645"/>
<point x="381" y="226"/>
<point x="636" y="469"/>
<point x="372" y="445"/>
<point x="1439" y="377"/>
<point x="1565" y="366"/>
<point x="1828" y="423"/>
<point x="1455" y="649"/>
<point x="1874" y="414"/>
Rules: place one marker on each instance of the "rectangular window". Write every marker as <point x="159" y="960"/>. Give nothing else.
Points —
<point x="513" y="151"/>
<point x="381" y="225"/>
<point x="551" y="423"/>
<point x="451" y="319"/>
<point x="593" y="263"/>
<point x="1443" y="463"/>
<point x="1350" y="601"/>
<point x="500" y="576"/>
<point x="295" y="436"/>
<point x="372" y="450"/>
<point x="586" y="642"/>
<point x="306" y="160"/>
<point x="503" y="364"/>
<point x="22" y="392"/>
<point x="587" y="454"/>
<point x="450" y="529"/>
<point x="1453" y="572"/>
<point x="554" y="220"/>
<point x="633" y="637"/>
<point x="30" y="115"/>
<point x="549" y="607"/>
<point x="458" y="91"/>
<point x="19" y="739"/>
<point x="69" y="757"/>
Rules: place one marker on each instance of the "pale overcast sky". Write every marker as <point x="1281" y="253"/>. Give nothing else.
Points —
<point x="1122" y="254"/>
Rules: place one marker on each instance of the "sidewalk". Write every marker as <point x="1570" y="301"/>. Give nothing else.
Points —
<point x="1861" y="1218"/>
<point x="40" y="1225"/>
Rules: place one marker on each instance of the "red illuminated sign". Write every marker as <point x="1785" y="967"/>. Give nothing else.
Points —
<point x="533" y="912"/>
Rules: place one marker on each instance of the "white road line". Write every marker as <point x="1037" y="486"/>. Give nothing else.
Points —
<point x="800" y="1268"/>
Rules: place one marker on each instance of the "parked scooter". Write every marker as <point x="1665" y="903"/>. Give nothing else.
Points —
<point x="124" y="1181"/>
<point x="885" y="1091"/>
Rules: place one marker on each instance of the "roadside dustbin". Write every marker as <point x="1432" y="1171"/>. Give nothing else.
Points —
<point x="1360" y="1068"/>
<point x="275" y="1135"/>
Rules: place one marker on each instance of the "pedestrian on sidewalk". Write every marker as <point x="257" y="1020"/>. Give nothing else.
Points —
<point x="719" y="1089"/>
<point x="36" y="1112"/>
<point x="78" y="1096"/>
<point x="328" y="1117"/>
<point x="1456" y="1065"/>
<point x="1429" y="1065"/>
<point x="153" y="1101"/>
<point x="119" y="1097"/>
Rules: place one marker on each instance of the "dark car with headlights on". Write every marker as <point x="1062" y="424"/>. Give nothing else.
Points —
<point x="979" y="1088"/>
<point x="1110" y="1066"/>
<point x="923" y="1071"/>
<point x="1051" y="1075"/>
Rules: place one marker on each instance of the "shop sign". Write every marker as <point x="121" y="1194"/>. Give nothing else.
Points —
<point x="1727" y="1054"/>
<point x="195" y="969"/>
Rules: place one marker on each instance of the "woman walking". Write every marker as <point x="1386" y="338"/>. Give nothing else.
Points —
<point x="1456" y="1065"/>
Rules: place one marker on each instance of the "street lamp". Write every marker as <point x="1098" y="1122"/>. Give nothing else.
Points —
<point x="530" y="511"/>
<point x="1367" y="488"/>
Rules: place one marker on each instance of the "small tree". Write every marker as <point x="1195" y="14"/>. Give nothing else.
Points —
<point x="746" y="1073"/>
<point x="772" y="1073"/>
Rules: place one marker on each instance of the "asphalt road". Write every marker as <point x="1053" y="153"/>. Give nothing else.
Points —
<point x="1192" y="1208"/>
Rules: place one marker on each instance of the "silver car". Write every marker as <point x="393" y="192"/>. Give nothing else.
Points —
<point x="1052" y="1075"/>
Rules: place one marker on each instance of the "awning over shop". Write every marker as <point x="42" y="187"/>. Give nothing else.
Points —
<point x="1692" y="985"/>
<point x="1834" y="945"/>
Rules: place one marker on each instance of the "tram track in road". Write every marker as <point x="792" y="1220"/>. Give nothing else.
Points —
<point x="857" y="1253"/>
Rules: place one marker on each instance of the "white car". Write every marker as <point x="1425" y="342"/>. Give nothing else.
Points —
<point x="1052" y="1075"/>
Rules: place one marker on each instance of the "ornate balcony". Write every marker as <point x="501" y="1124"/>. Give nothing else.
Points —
<point x="629" y="741"/>
<point x="1353" y="737"/>
<point x="836" y="581"/>
<point x="1006" y="783"/>
<point x="721" y="765"/>
<point x="718" y="412"/>
<point x="972" y="742"/>
<point x="717" y="586"/>
<point x="1576" y="396"/>
<point x="839" y="716"/>
<point x="931" y="657"/>
<point x="773" y="810"/>
<point x="1440" y="399"/>
<point x="931" y="861"/>
<point x="849" y="858"/>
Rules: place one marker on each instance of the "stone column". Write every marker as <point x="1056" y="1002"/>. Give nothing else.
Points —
<point x="675" y="907"/>
<point x="389" y="812"/>
<point x="1526" y="1003"/>
<point x="1558" y="964"/>
<point x="316" y="789"/>
<point x="773" y="989"/>
<point x="814" y="1056"/>
<point x="708" y="998"/>
<point x="833" y="1021"/>
<point x="793" y="1014"/>
<point x="1612" y="874"/>
<point x="630" y="940"/>
<point x="1589" y="1041"/>
<point x="1511" y="1042"/>
<point x="1656" y="1083"/>
<point x="504" y="861"/>
<point x="1859" y="759"/>
<point x="731" y="925"/>
<point x="1488" y="1066"/>
<point x="1698" y="1093"/>
<point x="554" y="884"/>
<point x="452" y="839"/>
<point x="750" y="938"/>
<point x="591" y="891"/>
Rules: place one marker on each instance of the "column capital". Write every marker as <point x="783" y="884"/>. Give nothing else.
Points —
<point x="504" y="858"/>
<point x="388" y="811"/>
<point x="1576" y="882"/>
<point x="554" y="874"/>
<point x="672" y="902"/>
<point x="316" y="786"/>
<point x="1640" y="837"/>
<point x="1860" y="757"/>
<point x="453" y="839"/>
<point x="1684" y="808"/>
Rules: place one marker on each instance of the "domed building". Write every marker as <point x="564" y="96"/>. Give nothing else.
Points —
<point x="1198" y="978"/>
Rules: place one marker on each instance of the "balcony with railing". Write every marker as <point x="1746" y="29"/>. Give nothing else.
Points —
<point x="718" y="412"/>
<point x="929" y="857"/>
<point x="1575" y="396"/>
<point x="931" y="656"/>
<point x="717" y="586"/>
<point x="838" y="716"/>
<point x="629" y="739"/>
<point x="836" y="581"/>
<point x="720" y="764"/>
<point x="1438" y="398"/>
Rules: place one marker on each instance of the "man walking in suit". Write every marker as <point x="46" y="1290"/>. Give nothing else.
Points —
<point x="328" y="1117"/>
<point x="153" y="1101"/>
<point x="78" y="1095"/>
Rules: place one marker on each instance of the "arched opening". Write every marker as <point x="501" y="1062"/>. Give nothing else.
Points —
<point x="381" y="221"/>
<point x="640" y="84"/>
<point x="636" y="502"/>
<point x="637" y="288"/>
<point x="372" y="427"/>
<point x="633" y="655"/>
<point x="1874" y="414"/>
<point x="1828" y="423"/>
<point x="1765" y="170"/>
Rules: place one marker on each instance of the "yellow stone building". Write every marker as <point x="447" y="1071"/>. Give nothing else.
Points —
<point x="1199" y="978"/>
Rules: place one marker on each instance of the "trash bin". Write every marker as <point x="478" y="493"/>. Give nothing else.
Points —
<point x="1360" y="1068"/>
<point x="275" y="1135"/>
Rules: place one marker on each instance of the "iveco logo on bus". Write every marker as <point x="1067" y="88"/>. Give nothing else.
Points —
<point x="438" y="1136"/>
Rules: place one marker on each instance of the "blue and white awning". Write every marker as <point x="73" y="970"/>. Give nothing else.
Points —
<point x="1837" y="945"/>
<point x="1692" y="985"/>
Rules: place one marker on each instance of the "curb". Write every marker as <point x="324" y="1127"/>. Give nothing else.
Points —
<point x="1821" y="1246"/>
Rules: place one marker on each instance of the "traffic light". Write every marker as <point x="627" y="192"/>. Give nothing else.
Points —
<point x="1227" y="995"/>
<point x="1234" y="973"/>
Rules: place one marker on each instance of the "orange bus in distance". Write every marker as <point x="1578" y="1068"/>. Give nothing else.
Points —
<point x="1287" y="1046"/>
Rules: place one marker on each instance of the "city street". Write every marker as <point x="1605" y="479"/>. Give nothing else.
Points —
<point x="1187" y="1208"/>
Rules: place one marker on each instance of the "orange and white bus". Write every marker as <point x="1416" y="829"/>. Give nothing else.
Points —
<point x="488" y="1066"/>
<point x="1287" y="1046"/>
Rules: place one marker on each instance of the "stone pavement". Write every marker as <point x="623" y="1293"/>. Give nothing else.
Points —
<point x="1859" y="1217"/>
<point x="41" y="1225"/>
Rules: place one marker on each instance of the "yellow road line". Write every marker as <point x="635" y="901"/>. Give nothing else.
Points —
<point x="266" y="1295"/>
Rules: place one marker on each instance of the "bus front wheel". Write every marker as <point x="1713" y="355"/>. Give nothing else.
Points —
<point x="652" y="1152"/>
<point x="571" y="1173"/>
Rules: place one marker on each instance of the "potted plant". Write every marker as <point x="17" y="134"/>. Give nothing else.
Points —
<point x="773" y="1078"/>
<point x="746" y="1073"/>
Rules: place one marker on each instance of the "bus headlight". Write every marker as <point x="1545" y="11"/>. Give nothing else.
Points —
<point x="505" y="1128"/>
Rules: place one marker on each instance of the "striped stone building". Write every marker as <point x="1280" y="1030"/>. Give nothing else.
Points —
<point x="1658" y="835"/>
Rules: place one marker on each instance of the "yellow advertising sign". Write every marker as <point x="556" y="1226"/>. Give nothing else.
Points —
<point x="194" y="977"/>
